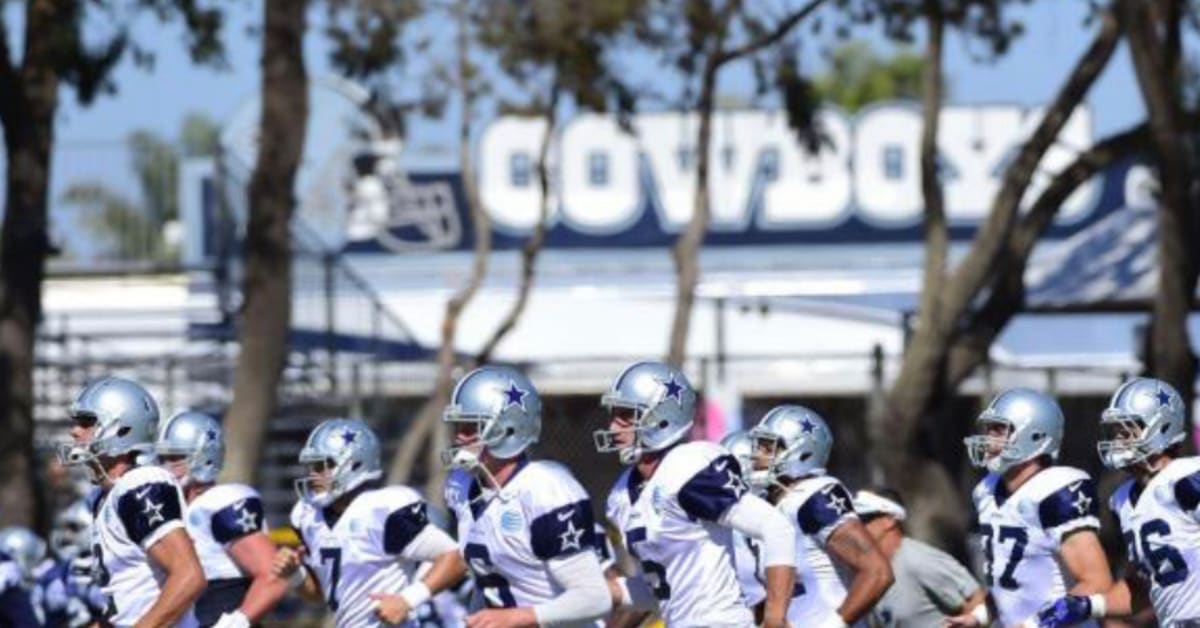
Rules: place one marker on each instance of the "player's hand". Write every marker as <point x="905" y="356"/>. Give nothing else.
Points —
<point x="503" y="618"/>
<point x="287" y="560"/>
<point x="391" y="609"/>
<point x="966" y="620"/>
<point x="1065" y="611"/>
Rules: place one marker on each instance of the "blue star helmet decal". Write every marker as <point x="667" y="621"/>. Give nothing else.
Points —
<point x="348" y="436"/>
<point x="674" y="389"/>
<point x="514" y="396"/>
<point x="211" y="434"/>
<point x="1164" y="398"/>
<point x="807" y="426"/>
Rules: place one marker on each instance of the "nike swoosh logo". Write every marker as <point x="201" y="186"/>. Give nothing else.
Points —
<point x="566" y="516"/>
<point x="828" y="489"/>
<point x="721" y="465"/>
<point x="142" y="493"/>
<point x="1075" y="487"/>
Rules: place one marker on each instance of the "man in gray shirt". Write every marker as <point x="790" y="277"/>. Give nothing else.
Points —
<point x="930" y="585"/>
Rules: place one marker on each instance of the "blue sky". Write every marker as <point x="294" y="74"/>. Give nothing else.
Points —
<point x="89" y="139"/>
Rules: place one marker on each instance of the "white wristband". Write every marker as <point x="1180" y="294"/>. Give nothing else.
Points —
<point x="416" y="594"/>
<point x="981" y="614"/>
<point x="1099" y="605"/>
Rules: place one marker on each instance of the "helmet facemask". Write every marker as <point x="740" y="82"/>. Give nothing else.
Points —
<point x="639" y="420"/>
<point x="333" y="472"/>
<point x="90" y="453"/>
<point x="1124" y="440"/>
<point x="993" y="448"/>
<point x="488" y="434"/>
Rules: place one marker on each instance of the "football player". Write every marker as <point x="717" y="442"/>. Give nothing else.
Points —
<point x="1038" y="522"/>
<point x="1157" y="507"/>
<point x="746" y="550"/>
<point x="225" y="522"/>
<point x="146" y="563"/>
<point x="677" y="505"/>
<point x="363" y="543"/>
<point x="20" y="552"/>
<point x="791" y="448"/>
<point x="65" y="591"/>
<point x="525" y="526"/>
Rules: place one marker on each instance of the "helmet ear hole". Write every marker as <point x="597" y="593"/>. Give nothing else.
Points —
<point x="805" y="456"/>
<point x="123" y="431"/>
<point x="1037" y="436"/>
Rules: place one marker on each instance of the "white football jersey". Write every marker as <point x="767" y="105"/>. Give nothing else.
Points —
<point x="816" y="506"/>
<point x="1022" y="533"/>
<point x="365" y="550"/>
<point x="139" y="510"/>
<point x="508" y="536"/>
<point x="1161" y="528"/>
<point x="669" y="525"/>
<point x="746" y="556"/>
<point x="216" y="518"/>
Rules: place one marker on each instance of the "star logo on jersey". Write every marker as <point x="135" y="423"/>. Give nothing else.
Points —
<point x="674" y="389"/>
<point x="1163" y="397"/>
<point x="1082" y="502"/>
<point x="734" y="483"/>
<point x="246" y="520"/>
<point x="836" y="502"/>
<point x="514" y="396"/>
<point x="152" y="511"/>
<point x="211" y="434"/>
<point x="807" y="426"/>
<point x="571" y="537"/>
<point x="348" y="436"/>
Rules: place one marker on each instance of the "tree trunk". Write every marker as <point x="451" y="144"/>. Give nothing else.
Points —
<point x="1153" y="60"/>
<point x="686" y="252"/>
<point x="923" y="386"/>
<point x="266" y="289"/>
<point x="28" y="101"/>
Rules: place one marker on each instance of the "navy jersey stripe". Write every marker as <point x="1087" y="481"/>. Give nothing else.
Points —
<point x="402" y="526"/>
<point x="563" y="531"/>
<point x="1075" y="501"/>
<point x="148" y="507"/>
<point x="713" y="490"/>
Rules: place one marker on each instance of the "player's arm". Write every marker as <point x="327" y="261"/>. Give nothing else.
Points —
<point x="175" y="555"/>
<point x="288" y="564"/>
<point x="408" y="534"/>
<point x="622" y="615"/>
<point x="239" y="528"/>
<point x="757" y="519"/>
<point x="852" y="545"/>
<point x="253" y="554"/>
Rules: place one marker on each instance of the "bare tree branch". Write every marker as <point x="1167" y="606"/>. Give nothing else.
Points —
<point x="533" y="245"/>
<point x="972" y="272"/>
<point x="428" y="417"/>
<point x="1007" y="295"/>
<point x="781" y="30"/>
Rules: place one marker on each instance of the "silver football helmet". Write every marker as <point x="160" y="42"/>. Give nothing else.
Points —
<point x="24" y="548"/>
<point x="796" y="442"/>
<point x="71" y="535"/>
<point x="125" y="417"/>
<point x="1020" y="424"/>
<point x="505" y="409"/>
<point x="199" y="438"/>
<point x="741" y="445"/>
<point x="349" y="451"/>
<point x="664" y="406"/>
<point x="1144" y="417"/>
